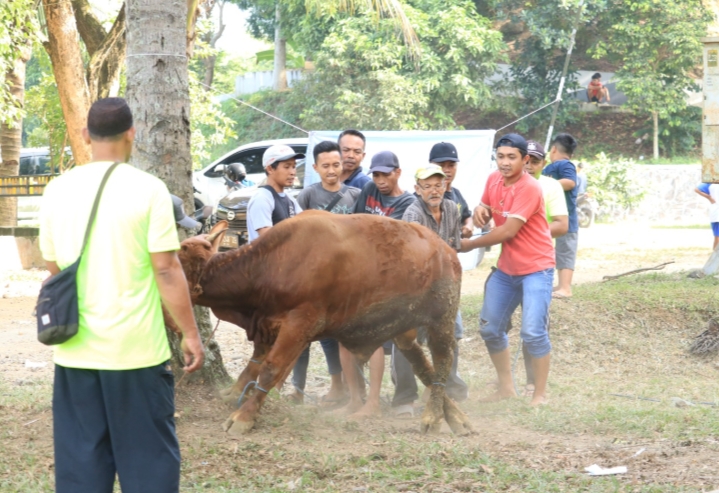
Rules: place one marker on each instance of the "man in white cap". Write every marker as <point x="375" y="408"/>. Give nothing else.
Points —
<point x="271" y="204"/>
<point x="182" y="219"/>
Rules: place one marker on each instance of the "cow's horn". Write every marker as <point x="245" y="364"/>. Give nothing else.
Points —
<point x="213" y="236"/>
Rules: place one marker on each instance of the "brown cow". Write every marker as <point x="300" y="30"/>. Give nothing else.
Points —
<point x="360" y="279"/>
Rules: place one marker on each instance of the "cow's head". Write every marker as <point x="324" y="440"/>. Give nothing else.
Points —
<point x="195" y="253"/>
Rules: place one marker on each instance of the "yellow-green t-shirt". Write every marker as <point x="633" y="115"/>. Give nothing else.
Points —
<point x="554" y="202"/>
<point x="121" y="325"/>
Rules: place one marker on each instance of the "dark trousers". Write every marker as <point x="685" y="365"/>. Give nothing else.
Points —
<point x="332" y="355"/>
<point x="107" y="422"/>
<point x="406" y="385"/>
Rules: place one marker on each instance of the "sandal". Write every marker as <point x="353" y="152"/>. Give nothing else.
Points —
<point x="404" y="411"/>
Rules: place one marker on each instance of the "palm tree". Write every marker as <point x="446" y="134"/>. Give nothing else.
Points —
<point x="382" y="8"/>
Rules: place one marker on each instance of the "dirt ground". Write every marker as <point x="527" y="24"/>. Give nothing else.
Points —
<point x="287" y="436"/>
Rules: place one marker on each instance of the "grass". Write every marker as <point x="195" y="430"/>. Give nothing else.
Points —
<point x="681" y="226"/>
<point x="626" y="337"/>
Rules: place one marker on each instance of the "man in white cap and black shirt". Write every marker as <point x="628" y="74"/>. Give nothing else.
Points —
<point x="271" y="204"/>
<point x="445" y="156"/>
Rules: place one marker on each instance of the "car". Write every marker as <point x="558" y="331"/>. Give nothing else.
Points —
<point x="209" y="182"/>
<point x="33" y="161"/>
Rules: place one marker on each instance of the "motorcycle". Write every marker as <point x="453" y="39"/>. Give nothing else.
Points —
<point x="233" y="207"/>
<point x="587" y="209"/>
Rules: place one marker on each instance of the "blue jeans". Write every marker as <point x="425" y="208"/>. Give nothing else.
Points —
<point x="332" y="355"/>
<point x="502" y="296"/>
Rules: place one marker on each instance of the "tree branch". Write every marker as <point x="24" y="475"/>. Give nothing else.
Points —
<point x="89" y="26"/>
<point x="105" y="64"/>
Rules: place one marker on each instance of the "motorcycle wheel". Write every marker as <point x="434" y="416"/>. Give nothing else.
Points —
<point x="586" y="216"/>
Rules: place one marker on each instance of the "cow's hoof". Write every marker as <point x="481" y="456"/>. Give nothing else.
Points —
<point x="431" y="428"/>
<point x="456" y="419"/>
<point x="237" y="428"/>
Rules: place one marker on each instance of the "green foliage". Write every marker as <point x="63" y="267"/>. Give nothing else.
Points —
<point x="364" y="78"/>
<point x="18" y="31"/>
<point x="656" y="44"/>
<point x="210" y="126"/>
<point x="45" y="125"/>
<point x="537" y="69"/>
<point x="612" y="183"/>
<point x="680" y="132"/>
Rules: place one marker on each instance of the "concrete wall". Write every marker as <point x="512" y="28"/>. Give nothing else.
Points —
<point x="670" y="197"/>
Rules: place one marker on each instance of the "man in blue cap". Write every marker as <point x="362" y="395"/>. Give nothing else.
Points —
<point x="384" y="197"/>
<point x="525" y="271"/>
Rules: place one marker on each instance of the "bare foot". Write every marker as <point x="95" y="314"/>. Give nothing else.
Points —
<point x="349" y="408"/>
<point x="561" y="294"/>
<point x="538" y="400"/>
<point x="499" y="395"/>
<point x="369" y="410"/>
<point x="296" y="397"/>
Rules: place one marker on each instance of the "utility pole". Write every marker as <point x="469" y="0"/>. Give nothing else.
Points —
<point x="555" y="108"/>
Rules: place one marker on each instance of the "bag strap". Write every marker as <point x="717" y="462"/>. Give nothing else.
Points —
<point x="96" y="204"/>
<point x="337" y="198"/>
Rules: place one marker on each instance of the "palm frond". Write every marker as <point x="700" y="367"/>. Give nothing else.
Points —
<point x="391" y="9"/>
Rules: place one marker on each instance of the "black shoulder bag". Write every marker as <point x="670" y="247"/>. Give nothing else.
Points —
<point x="337" y="198"/>
<point x="57" y="310"/>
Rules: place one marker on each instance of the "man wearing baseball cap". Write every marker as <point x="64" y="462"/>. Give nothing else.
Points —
<point x="558" y="219"/>
<point x="382" y="196"/>
<point x="440" y="214"/>
<point x="271" y="204"/>
<point x="182" y="219"/>
<point x="444" y="154"/>
<point x="525" y="271"/>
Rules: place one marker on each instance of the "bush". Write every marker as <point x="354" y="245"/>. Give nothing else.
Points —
<point x="614" y="186"/>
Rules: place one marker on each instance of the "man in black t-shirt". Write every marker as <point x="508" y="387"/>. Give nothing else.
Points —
<point x="384" y="197"/>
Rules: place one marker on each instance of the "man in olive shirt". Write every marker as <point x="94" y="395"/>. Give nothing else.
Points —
<point x="435" y="211"/>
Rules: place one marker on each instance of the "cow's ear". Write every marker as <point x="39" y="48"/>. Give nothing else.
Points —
<point x="216" y="234"/>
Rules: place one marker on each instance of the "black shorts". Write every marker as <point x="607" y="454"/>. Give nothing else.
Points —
<point x="107" y="422"/>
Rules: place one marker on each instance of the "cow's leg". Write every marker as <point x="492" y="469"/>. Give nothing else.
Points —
<point x="292" y="338"/>
<point x="434" y="411"/>
<point x="434" y="378"/>
<point x="441" y="344"/>
<point x="232" y="393"/>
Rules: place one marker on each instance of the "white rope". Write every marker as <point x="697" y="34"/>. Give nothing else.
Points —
<point x="261" y="111"/>
<point x="528" y="114"/>
<point x="155" y="54"/>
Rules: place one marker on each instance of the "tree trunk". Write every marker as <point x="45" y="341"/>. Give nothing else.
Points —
<point x="280" y="53"/>
<point x="211" y="60"/>
<point x="158" y="93"/>
<point x="63" y="46"/>
<point x="655" y="118"/>
<point x="11" y="137"/>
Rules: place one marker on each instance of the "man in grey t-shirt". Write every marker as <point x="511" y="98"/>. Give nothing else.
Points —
<point x="329" y="194"/>
<point x="332" y="196"/>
